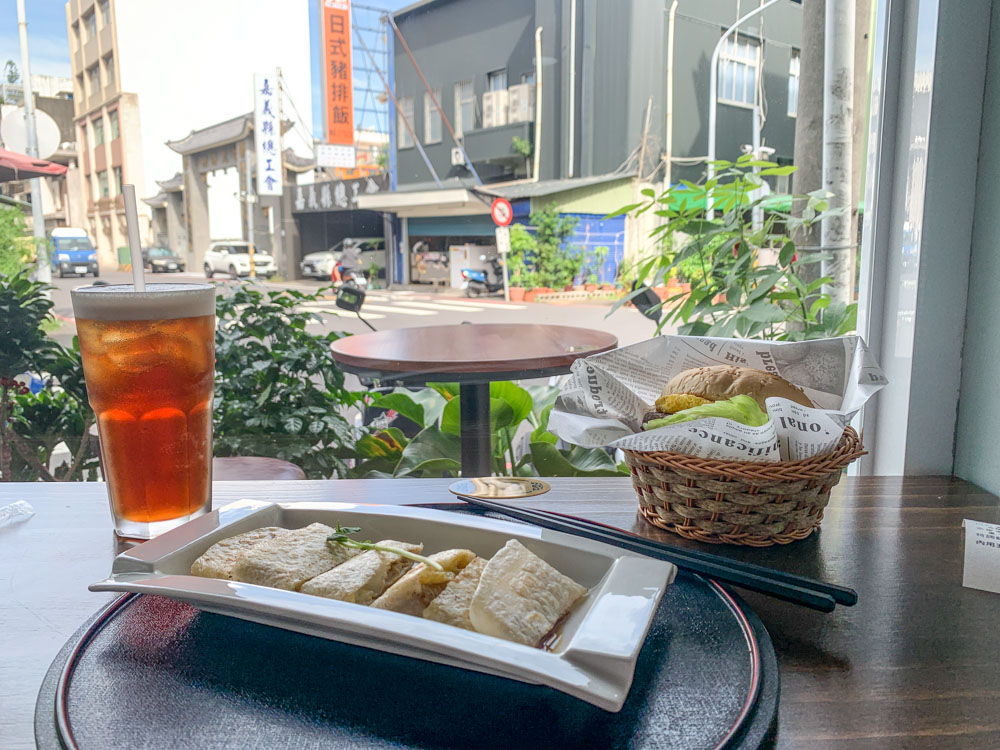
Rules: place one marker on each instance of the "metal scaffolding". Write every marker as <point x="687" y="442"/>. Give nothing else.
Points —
<point x="371" y="106"/>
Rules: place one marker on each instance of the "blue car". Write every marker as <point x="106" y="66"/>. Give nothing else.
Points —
<point x="73" y="254"/>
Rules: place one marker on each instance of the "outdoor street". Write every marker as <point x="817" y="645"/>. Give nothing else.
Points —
<point x="388" y="309"/>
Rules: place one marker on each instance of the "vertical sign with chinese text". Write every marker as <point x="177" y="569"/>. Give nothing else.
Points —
<point x="267" y="133"/>
<point x="339" y="79"/>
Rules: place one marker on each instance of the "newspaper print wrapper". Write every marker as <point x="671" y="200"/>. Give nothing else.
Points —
<point x="603" y="401"/>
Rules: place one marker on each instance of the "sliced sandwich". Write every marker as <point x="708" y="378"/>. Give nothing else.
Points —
<point x="289" y="560"/>
<point x="521" y="597"/>
<point x="412" y="593"/>
<point x="451" y="606"/>
<point x="363" y="578"/>
<point x="218" y="560"/>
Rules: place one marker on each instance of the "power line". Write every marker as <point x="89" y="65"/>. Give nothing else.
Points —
<point x="301" y="119"/>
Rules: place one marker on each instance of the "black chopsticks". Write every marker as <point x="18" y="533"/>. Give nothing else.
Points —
<point x="786" y="586"/>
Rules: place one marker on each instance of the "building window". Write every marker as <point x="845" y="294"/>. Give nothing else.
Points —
<point x="109" y="70"/>
<point x="465" y="107"/>
<point x="102" y="184"/>
<point x="98" y="131"/>
<point x="105" y="7"/>
<point x="432" y="117"/>
<point x="76" y="36"/>
<point x="528" y="77"/>
<point x="738" y="65"/>
<point x="94" y="79"/>
<point x="117" y="172"/>
<point x="793" y="84"/>
<point x="496" y="81"/>
<point x="83" y="137"/>
<point x="80" y="93"/>
<point x="90" y="22"/>
<point x="113" y="121"/>
<point x="403" y="116"/>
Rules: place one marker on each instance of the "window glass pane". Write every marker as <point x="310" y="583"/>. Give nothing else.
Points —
<point x="403" y="116"/>
<point x="118" y="180"/>
<point x="109" y="70"/>
<point x="113" y="119"/>
<point x="464" y="110"/>
<point x="432" y="118"/>
<point x="496" y="80"/>
<point x="793" y="83"/>
<point x="98" y="132"/>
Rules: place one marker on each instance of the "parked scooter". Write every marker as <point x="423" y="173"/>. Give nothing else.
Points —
<point x="477" y="281"/>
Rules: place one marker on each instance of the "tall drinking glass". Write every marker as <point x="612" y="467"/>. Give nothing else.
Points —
<point x="149" y="363"/>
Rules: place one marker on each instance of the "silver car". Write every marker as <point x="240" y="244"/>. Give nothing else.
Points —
<point x="320" y="265"/>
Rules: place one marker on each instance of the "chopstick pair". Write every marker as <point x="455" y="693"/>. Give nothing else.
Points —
<point x="789" y="587"/>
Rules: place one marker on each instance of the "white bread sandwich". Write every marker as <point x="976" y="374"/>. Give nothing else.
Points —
<point x="218" y="560"/>
<point x="520" y="597"/>
<point x="364" y="577"/>
<point x="412" y="593"/>
<point x="290" y="559"/>
<point x="451" y="606"/>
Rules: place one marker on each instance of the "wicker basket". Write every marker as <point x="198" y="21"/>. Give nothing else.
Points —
<point x="738" y="502"/>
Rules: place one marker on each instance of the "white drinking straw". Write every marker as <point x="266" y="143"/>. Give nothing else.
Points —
<point x="134" y="244"/>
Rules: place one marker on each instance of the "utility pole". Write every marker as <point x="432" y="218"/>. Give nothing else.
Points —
<point x="44" y="270"/>
<point x="838" y="126"/>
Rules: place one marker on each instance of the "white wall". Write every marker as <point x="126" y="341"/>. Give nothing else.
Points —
<point x="192" y="63"/>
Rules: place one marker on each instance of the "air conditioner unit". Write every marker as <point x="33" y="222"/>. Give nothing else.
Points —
<point x="522" y="102"/>
<point x="457" y="159"/>
<point x="494" y="108"/>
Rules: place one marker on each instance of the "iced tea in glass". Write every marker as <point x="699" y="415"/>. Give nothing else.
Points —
<point x="149" y="363"/>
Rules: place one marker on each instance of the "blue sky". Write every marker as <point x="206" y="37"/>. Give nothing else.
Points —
<point x="47" y="41"/>
<point x="49" y="46"/>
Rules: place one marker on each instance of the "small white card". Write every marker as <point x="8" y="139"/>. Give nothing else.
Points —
<point x="982" y="556"/>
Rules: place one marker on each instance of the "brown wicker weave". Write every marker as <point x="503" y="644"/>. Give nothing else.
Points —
<point x="738" y="502"/>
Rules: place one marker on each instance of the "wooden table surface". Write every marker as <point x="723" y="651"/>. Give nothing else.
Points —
<point x="913" y="665"/>
<point x="494" y="349"/>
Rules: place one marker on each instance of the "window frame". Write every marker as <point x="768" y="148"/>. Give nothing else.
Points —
<point x="90" y="24"/>
<point x="118" y="178"/>
<point x="97" y="126"/>
<point x="794" y="74"/>
<point x="497" y="75"/>
<point x="91" y="77"/>
<point x="403" y="138"/>
<point x="430" y="114"/>
<point x="729" y="55"/>
<point x="114" y="125"/>
<point x="460" y="101"/>
<point x="109" y="70"/>
<point x="103" y="186"/>
<point x="105" y="8"/>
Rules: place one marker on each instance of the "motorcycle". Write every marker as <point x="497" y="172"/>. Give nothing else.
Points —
<point x="356" y="279"/>
<point x="478" y="281"/>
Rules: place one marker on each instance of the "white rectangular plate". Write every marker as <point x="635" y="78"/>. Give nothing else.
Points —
<point x="593" y="659"/>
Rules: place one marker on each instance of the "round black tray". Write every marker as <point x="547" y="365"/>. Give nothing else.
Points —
<point x="151" y="672"/>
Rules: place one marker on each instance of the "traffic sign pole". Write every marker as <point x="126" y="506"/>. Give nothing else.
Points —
<point x="503" y="213"/>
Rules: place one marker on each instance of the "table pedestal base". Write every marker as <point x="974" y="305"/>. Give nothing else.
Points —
<point x="474" y="406"/>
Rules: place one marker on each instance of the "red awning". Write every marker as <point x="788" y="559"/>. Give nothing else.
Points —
<point x="15" y="166"/>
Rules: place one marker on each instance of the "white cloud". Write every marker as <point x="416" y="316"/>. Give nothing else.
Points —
<point x="49" y="54"/>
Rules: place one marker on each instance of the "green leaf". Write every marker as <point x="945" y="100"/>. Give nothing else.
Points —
<point x="402" y="402"/>
<point x="431" y="453"/>
<point x="787" y="251"/>
<point x="764" y="312"/>
<point x="516" y="397"/>
<point x="433" y="403"/>
<point x="577" y="461"/>
<point x="448" y="390"/>
<point x="818" y="304"/>
<point x="292" y="424"/>
<point x="501" y="416"/>
<point x="777" y="171"/>
<point x="623" y="210"/>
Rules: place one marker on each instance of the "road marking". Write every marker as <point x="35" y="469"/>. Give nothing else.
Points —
<point x="488" y="305"/>
<point x="440" y="307"/>
<point x="343" y="313"/>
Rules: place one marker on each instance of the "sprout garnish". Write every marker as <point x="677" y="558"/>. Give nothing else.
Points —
<point x="341" y="536"/>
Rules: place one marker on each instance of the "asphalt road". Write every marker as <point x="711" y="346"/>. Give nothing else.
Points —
<point x="391" y="309"/>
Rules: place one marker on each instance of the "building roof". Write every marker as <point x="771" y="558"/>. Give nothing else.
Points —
<point x="172" y="185"/>
<point x="523" y="189"/>
<point x="416" y="6"/>
<point x="297" y="163"/>
<point x="157" y="201"/>
<point x="219" y="134"/>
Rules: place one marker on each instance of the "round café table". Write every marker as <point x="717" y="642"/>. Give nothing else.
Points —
<point x="473" y="356"/>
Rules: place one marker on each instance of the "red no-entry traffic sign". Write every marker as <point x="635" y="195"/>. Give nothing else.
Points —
<point x="501" y="211"/>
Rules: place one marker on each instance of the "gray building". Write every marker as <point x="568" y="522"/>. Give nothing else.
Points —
<point x="602" y="61"/>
